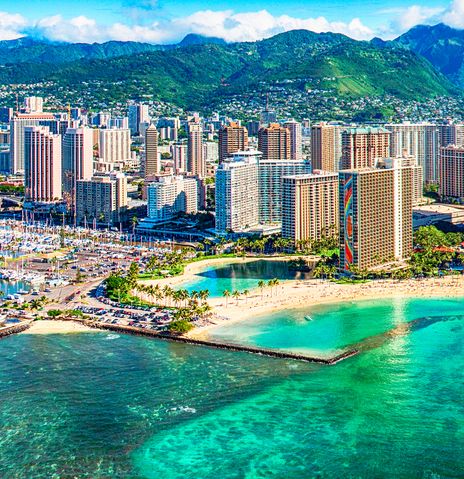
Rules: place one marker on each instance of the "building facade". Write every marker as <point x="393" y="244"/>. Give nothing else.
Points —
<point x="77" y="151"/>
<point x="17" y="125"/>
<point x="274" y="142"/>
<point x="237" y="190"/>
<point x="375" y="216"/>
<point x="152" y="163"/>
<point x="170" y="195"/>
<point x="271" y="174"/>
<point x="326" y="147"/>
<point x="296" y="139"/>
<point x="452" y="173"/>
<point x="114" y="145"/>
<point x="196" y="164"/>
<point x="42" y="152"/>
<point x="101" y="199"/>
<point x="310" y="206"/>
<point x="361" y="147"/>
<point x="422" y="141"/>
<point x="232" y="138"/>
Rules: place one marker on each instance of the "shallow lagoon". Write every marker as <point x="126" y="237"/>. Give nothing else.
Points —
<point x="241" y="276"/>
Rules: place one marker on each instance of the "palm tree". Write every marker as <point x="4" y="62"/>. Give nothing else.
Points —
<point x="167" y="293"/>
<point x="246" y="293"/>
<point x="270" y="283"/>
<point x="261" y="285"/>
<point x="204" y="293"/>
<point x="236" y="295"/>
<point x="134" y="223"/>
<point x="226" y="295"/>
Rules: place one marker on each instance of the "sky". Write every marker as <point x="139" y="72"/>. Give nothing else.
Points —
<point x="168" y="21"/>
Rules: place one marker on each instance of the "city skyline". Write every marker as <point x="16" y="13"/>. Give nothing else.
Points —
<point x="164" y="22"/>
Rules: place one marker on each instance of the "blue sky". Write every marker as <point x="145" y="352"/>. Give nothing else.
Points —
<point x="164" y="21"/>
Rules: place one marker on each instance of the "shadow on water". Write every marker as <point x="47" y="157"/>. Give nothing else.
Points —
<point x="259" y="269"/>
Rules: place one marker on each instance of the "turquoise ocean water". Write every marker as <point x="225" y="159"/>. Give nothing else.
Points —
<point x="98" y="405"/>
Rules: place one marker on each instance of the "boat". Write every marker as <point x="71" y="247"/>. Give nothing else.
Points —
<point x="308" y="318"/>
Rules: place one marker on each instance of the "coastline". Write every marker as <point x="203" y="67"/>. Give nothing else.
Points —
<point x="305" y="294"/>
<point x="49" y="326"/>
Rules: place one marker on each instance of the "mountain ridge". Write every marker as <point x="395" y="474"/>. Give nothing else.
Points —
<point x="195" y="74"/>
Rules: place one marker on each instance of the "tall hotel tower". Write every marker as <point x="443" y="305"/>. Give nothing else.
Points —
<point x="42" y="164"/>
<point x="375" y="215"/>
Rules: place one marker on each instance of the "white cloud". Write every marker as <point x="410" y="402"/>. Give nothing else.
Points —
<point x="252" y="26"/>
<point x="226" y="24"/>
<point x="416" y="15"/>
<point x="248" y="26"/>
<point x="454" y="16"/>
<point x="11" y="25"/>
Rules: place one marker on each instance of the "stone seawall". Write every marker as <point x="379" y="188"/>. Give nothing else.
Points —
<point x="220" y="345"/>
<point x="13" y="329"/>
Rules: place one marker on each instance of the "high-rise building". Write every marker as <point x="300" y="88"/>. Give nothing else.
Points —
<point x="101" y="199"/>
<point x="119" y="122"/>
<point x="271" y="174"/>
<point x="237" y="188"/>
<point x="375" y="215"/>
<point x="77" y="158"/>
<point x="296" y="140"/>
<point x="196" y="164"/>
<point x="253" y="127"/>
<point x="274" y="142"/>
<point x="310" y="206"/>
<point x="152" y="164"/>
<point x="6" y="114"/>
<point x="452" y="173"/>
<point x="170" y="195"/>
<point x="138" y="113"/>
<point x="422" y="141"/>
<point x="410" y="162"/>
<point x="326" y="147"/>
<point x="33" y="104"/>
<point x="179" y="158"/>
<point x="361" y="147"/>
<point x="210" y="152"/>
<point x="232" y="138"/>
<point x="42" y="151"/>
<point x="114" y="145"/>
<point x="17" y="125"/>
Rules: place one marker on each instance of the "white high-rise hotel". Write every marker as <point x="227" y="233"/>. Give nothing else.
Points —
<point x="114" y="145"/>
<point x="170" y="195"/>
<point x="237" y="206"/>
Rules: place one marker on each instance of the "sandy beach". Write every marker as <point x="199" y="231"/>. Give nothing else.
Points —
<point x="304" y="294"/>
<point x="47" y="326"/>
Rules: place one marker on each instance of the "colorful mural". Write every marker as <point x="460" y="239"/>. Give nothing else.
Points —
<point x="348" y="221"/>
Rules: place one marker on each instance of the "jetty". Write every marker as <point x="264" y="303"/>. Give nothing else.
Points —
<point x="272" y="353"/>
<point x="14" y="329"/>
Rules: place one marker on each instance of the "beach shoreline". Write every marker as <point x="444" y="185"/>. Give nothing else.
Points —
<point x="51" y="326"/>
<point x="293" y="295"/>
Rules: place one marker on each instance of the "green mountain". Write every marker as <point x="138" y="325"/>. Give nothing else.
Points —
<point x="441" y="45"/>
<point x="194" y="76"/>
<point x="41" y="51"/>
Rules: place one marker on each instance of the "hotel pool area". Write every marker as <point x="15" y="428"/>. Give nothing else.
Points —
<point x="103" y="405"/>
<point x="241" y="276"/>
